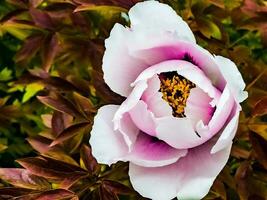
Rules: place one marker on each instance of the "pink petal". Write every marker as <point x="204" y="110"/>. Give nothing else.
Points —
<point x="108" y="146"/>
<point x="168" y="48"/>
<point x="150" y="152"/>
<point x="221" y="114"/>
<point x="198" y="106"/>
<point x="153" y="98"/>
<point x="178" y="132"/>
<point x="125" y="107"/>
<point x="197" y="171"/>
<point x="233" y="78"/>
<point x="143" y="118"/>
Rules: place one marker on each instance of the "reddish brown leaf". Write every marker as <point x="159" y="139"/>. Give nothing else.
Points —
<point x="41" y="18"/>
<point x="260" y="107"/>
<point x="117" y="188"/>
<point x="50" y="168"/>
<point x="84" y="104"/>
<point x="259" y="146"/>
<point x="58" y="194"/>
<point x="88" y="160"/>
<point x="49" y="52"/>
<point x="8" y="192"/>
<point x="71" y="132"/>
<point x="22" y="178"/>
<point x="30" y="47"/>
<point x="59" y="103"/>
<point x="57" y="123"/>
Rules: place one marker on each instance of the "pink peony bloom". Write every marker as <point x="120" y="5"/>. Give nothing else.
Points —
<point x="181" y="110"/>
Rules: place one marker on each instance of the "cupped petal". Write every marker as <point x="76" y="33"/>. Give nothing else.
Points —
<point x="120" y="69"/>
<point x="154" y="17"/>
<point x="233" y="78"/>
<point x="223" y="109"/>
<point x="150" y="152"/>
<point x="185" y="69"/>
<point x="153" y="98"/>
<point x="143" y="118"/>
<point x="198" y="106"/>
<point x="178" y="179"/>
<point x="108" y="146"/>
<point x="167" y="48"/>
<point x="178" y="132"/>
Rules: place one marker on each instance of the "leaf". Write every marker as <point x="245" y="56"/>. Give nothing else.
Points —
<point x="57" y="123"/>
<point x="31" y="90"/>
<point x="260" y="107"/>
<point x="99" y="8"/>
<point x="84" y="104"/>
<point x="259" y="146"/>
<point x="9" y="192"/>
<point x="2" y="147"/>
<point x="22" y="178"/>
<point x="50" y="168"/>
<point x="59" y="103"/>
<point x="117" y="188"/>
<point x="260" y="129"/>
<point x="29" y="49"/>
<point x="208" y="28"/>
<point x="5" y="74"/>
<point x="41" y="19"/>
<point x="49" y="52"/>
<point x="88" y="161"/>
<point x="71" y="132"/>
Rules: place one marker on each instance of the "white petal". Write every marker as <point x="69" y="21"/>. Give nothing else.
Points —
<point x="120" y="69"/>
<point x="233" y="78"/>
<point x="154" y="17"/>
<point x="108" y="146"/>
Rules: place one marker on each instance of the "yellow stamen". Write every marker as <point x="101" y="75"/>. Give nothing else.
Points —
<point x="175" y="91"/>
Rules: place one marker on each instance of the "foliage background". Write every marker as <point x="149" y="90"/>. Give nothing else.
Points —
<point x="51" y="86"/>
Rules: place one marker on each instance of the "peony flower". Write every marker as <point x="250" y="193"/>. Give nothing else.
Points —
<point x="181" y="110"/>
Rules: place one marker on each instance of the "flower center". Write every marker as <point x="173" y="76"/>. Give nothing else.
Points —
<point x="175" y="90"/>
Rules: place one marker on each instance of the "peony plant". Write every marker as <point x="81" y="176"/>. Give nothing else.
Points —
<point x="181" y="111"/>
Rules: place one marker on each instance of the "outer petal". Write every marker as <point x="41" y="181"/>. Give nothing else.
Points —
<point x="126" y="106"/>
<point x="154" y="17"/>
<point x="108" y="146"/>
<point x="228" y="133"/>
<point x="150" y="152"/>
<point x="164" y="183"/>
<point x="232" y="77"/>
<point x="120" y="69"/>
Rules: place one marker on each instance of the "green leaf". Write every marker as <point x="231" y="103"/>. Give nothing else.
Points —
<point x="5" y="74"/>
<point x="208" y="28"/>
<point x="31" y="90"/>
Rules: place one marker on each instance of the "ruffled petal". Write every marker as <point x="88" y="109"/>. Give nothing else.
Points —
<point x="152" y="17"/>
<point x="151" y="152"/>
<point x="108" y="146"/>
<point x="164" y="183"/>
<point x="233" y="78"/>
